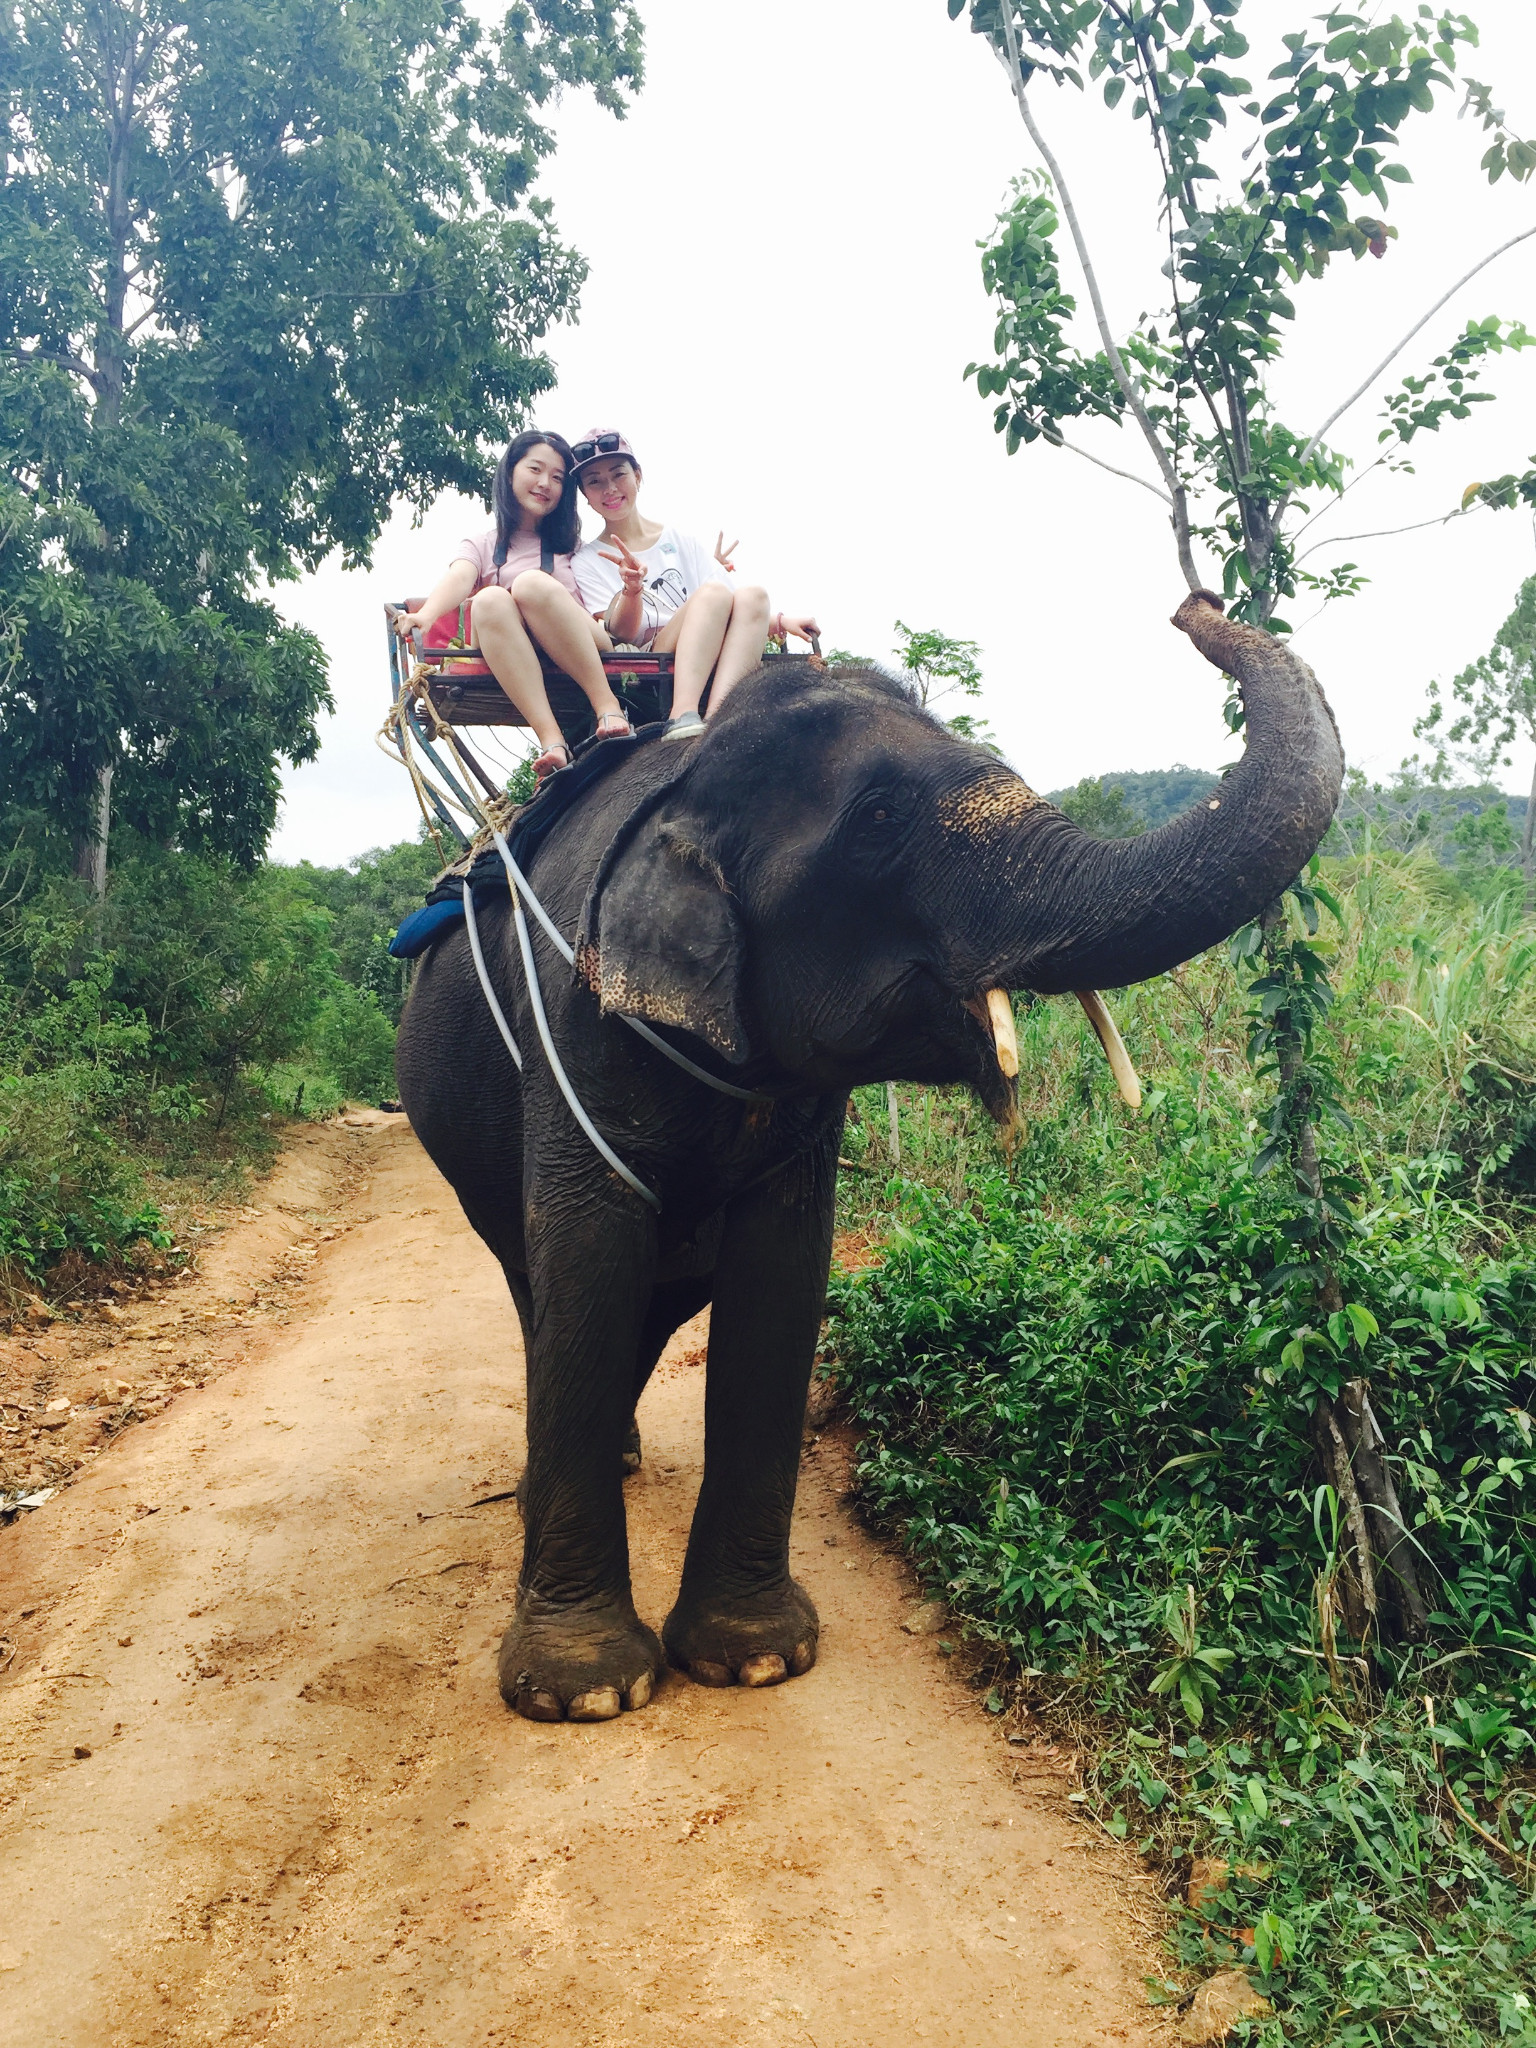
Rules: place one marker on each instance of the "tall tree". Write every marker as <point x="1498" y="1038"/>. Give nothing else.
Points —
<point x="1240" y="483"/>
<point x="1497" y="695"/>
<point x="264" y="269"/>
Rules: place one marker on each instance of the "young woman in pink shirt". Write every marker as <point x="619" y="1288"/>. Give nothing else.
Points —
<point x="517" y="575"/>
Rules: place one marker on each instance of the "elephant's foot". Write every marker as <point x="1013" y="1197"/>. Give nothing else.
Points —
<point x="751" y="1639"/>
<point x="577" y="1663"/>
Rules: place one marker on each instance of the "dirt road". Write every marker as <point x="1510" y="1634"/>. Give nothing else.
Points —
<point x="258" y="1784"/>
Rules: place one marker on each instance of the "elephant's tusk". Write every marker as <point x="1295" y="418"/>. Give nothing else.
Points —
<point x="1004" y="1037"/>
<point x="1113" y="1044"/>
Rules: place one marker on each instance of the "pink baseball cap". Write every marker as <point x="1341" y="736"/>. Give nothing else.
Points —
<point x="598" y="442"/>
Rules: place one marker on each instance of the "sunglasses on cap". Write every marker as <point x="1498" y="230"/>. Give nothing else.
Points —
<point x="600" y="444"/>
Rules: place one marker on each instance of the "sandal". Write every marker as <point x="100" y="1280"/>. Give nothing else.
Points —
<point x="551" y="761"/>
<point x="613" y="725"/>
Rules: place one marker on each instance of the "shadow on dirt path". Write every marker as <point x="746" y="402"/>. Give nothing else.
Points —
<point x="258" y="1784"/>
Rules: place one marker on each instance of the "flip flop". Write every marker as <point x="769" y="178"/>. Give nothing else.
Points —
<point x="551" y="761"/>
<point x="613" y="725"/>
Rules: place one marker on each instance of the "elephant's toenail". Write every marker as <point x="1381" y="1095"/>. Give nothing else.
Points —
<point x="640" y="1692"/>
<point x="803" y="1658"/>
<point x="539" y="1706"/>
<point x="602" y="1703"/>
<point x="704" y="1673"/>
<point x="763" y="1670"/>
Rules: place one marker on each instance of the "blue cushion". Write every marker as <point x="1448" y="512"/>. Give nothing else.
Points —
<point x="423" y="926"/>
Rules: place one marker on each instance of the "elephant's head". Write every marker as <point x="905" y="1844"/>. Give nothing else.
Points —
<point x="835" y="886"/>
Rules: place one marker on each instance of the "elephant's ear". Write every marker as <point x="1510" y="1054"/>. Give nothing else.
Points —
<point x="661" y="940"/>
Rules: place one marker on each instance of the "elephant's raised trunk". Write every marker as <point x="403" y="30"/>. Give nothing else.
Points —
<point x="1086" y="913"/>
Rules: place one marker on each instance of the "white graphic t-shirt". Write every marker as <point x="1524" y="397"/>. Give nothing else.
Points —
<point x="674" y="569"/>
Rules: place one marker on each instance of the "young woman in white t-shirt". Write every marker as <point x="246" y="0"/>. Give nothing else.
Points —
<point x="518" y="577"/>
<point x="655" y="587"/>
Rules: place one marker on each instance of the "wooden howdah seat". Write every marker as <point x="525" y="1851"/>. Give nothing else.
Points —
<point x="464" y="692"/>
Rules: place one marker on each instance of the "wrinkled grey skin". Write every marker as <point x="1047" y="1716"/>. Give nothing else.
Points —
<point x="815" y="894"/>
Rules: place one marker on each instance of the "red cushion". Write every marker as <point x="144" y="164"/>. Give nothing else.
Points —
<point x="443" y="630"/>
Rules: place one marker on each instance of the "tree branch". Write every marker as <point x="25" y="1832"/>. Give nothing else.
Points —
<point x="1061" y="441"/>
<point x="1384" y="533"/>
<point x="1387" y="360"/>
<point x="1334" y="504"/>
<point x="1152" y="94"/>
<point x="1132" y="397"/>
<point x="63" y="362"/>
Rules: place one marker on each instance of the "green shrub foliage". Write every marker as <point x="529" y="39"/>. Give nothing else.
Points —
<point x="1083" y="1384"/>
<point x="173" y="1023"/>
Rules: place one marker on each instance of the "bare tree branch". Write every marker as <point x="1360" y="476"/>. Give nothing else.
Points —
<point x="1387" y="360"/>
<point x="1334" y="503"/>
<point x="1384" y="533"/>
<point x="1061" y="441"/>
<point x="1129" y="392"/>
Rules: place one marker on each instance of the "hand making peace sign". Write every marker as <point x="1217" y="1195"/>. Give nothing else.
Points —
<point x="629" y="568"/>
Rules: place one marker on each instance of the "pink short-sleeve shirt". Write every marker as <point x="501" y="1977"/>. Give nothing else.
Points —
<point x="523" y="552"/>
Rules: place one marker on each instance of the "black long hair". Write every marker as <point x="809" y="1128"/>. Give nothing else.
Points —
<point x="562" y="527"/>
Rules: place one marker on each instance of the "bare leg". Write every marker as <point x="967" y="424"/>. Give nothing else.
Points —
<point x="743" y="648"/>
<point x="564" y="631"/>
<point x="695" y="633"/>
<point x="513" y="659"/>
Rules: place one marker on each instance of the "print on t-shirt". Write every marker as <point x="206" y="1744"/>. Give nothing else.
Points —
<point x="675" y="566"/>
<point x="665" y="594"/>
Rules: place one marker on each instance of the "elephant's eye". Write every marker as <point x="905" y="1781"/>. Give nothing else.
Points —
<point x="875" y="818"/>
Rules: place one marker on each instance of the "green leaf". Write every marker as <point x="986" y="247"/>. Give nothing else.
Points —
<point x="1364" y="1324"/>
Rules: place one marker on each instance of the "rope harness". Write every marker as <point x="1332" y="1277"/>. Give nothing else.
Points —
<point x="403" y="732"/>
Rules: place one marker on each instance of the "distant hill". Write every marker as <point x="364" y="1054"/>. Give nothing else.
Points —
<point x="1152" y="796"/>
<point x="1473" y="828"/>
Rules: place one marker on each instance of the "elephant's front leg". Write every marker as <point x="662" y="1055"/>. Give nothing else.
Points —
<point x="739" y="1615"/>
<point x="576" y="1648"/>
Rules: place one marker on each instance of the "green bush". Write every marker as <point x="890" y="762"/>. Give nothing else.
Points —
<point x="66" y="1183"/>
<point x="134" y="1034"/>
<point x="1084" y="1390"/>
<point x="353" y="1041"/>
<point x="367" y="900"/>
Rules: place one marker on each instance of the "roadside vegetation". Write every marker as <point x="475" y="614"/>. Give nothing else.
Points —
<point x="152" y="1042"/>
<point x="1084" y="1381"/>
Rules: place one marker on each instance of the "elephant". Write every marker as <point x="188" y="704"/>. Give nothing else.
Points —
<point x="826" y="888"/>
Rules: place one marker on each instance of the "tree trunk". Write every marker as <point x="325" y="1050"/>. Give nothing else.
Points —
<point x="1398" y="1575"/>
<point x="1379" y="1582"/>
<point x="91" y="841"/>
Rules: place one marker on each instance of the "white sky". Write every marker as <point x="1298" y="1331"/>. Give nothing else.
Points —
<point x="784" y="293"/>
